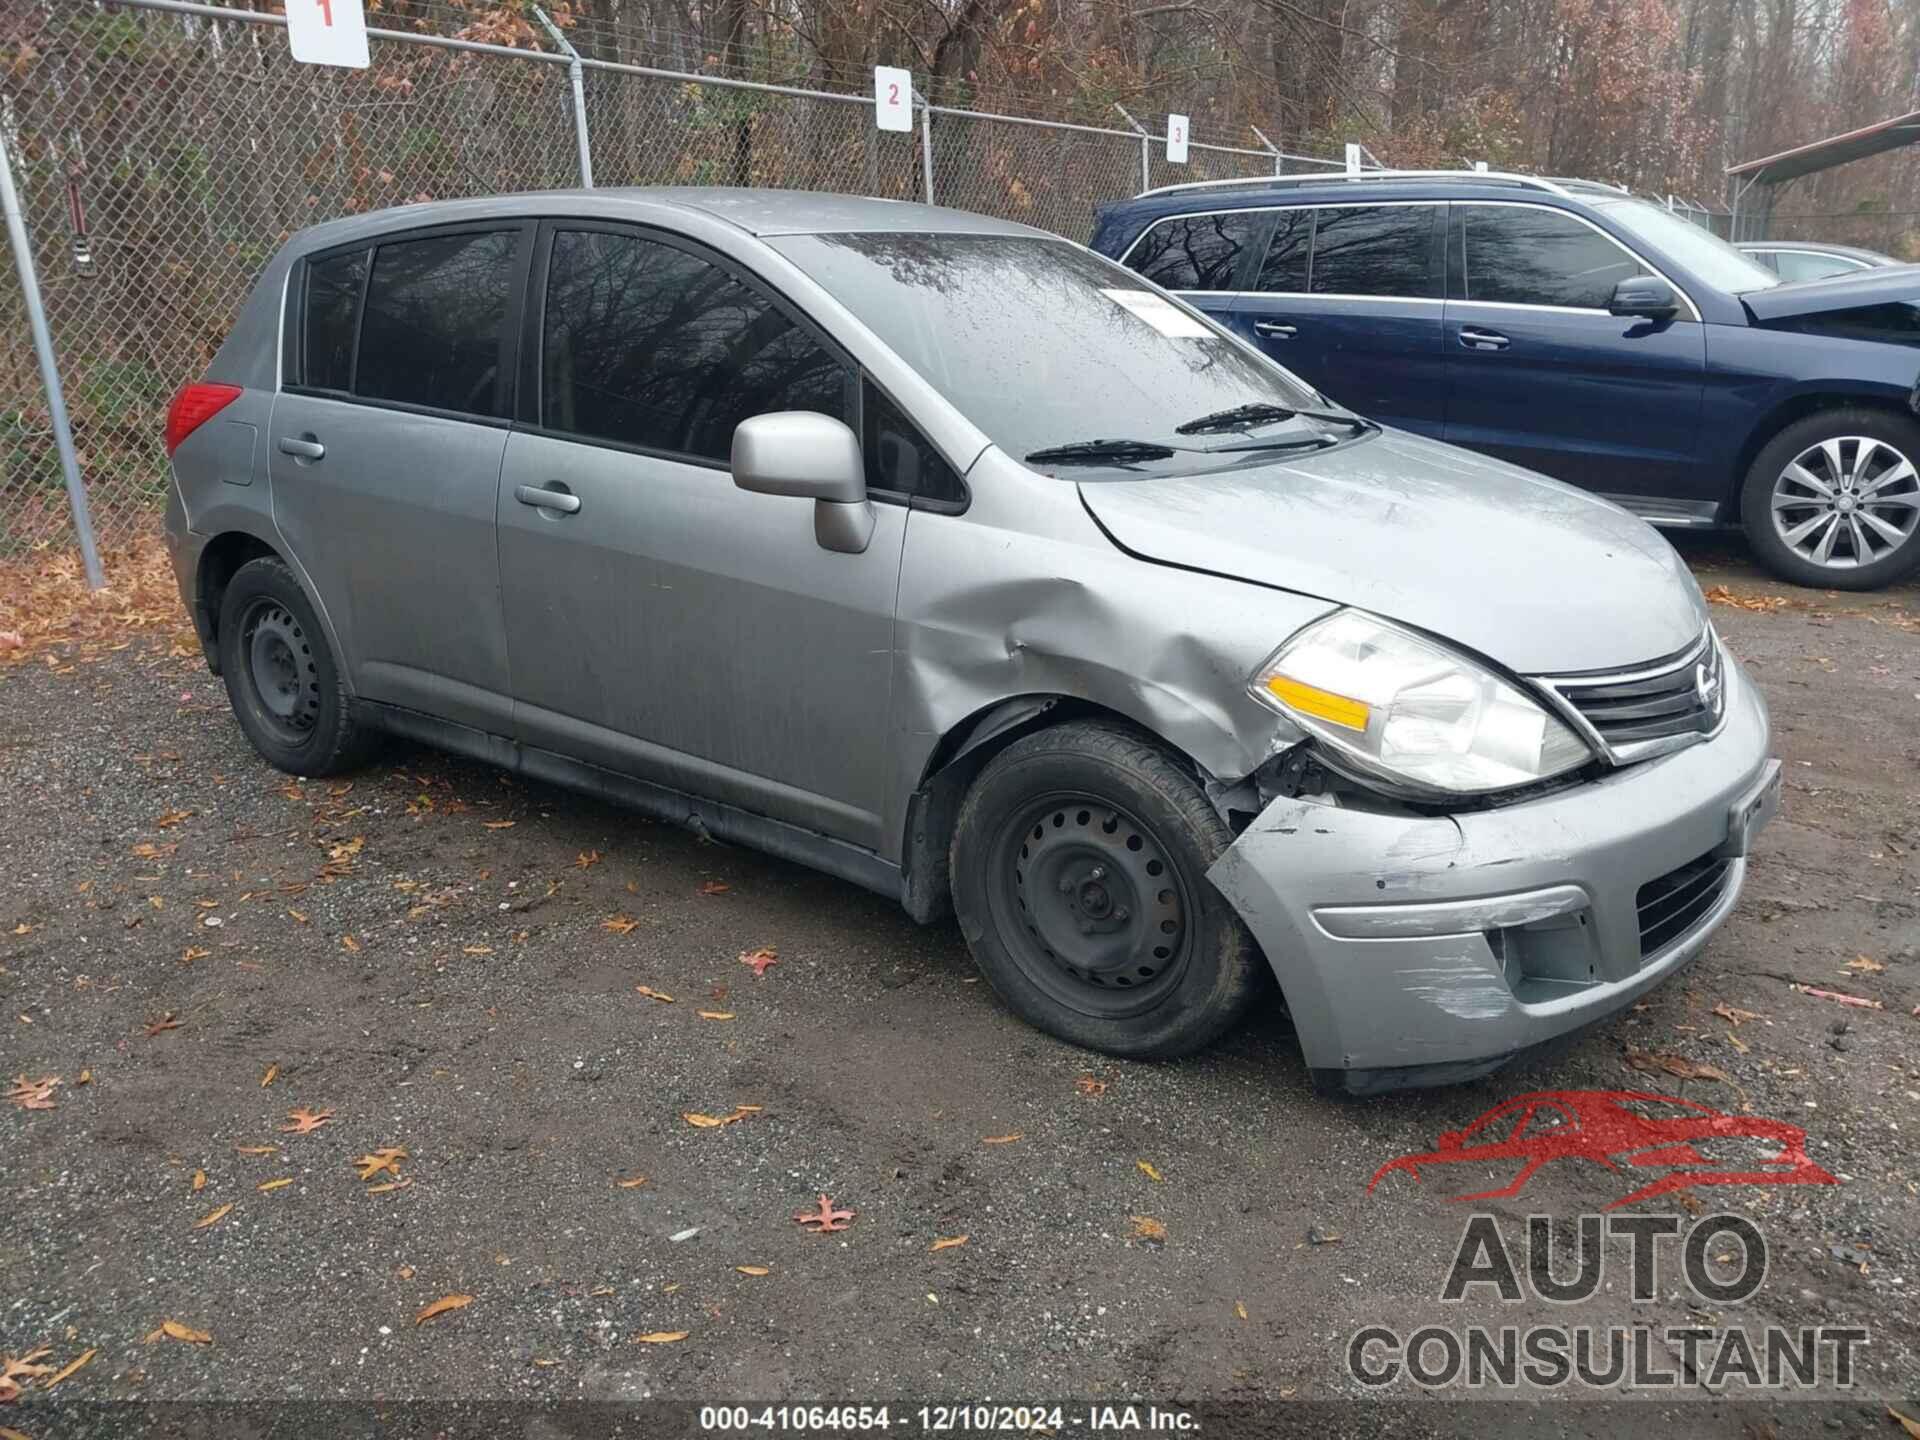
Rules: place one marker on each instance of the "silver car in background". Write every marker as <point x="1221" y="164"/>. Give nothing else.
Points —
<point x="945" y="556"/>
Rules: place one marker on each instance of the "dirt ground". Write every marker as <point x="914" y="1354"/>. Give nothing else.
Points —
<point x="448" y="962"/>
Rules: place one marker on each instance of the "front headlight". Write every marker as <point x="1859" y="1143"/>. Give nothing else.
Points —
<point x="1407" y="709"/>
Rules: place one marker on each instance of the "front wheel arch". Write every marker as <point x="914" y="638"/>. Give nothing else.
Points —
<point x="1791" y="412"/>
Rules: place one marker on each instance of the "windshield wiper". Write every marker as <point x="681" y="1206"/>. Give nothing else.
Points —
<point x="1092" y="452"/>
<point x="1260" y="413"/>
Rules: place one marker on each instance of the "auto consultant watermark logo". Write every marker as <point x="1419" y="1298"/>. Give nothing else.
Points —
<point x="1681" y="1144"/>
<point x="1720" y="1260"/>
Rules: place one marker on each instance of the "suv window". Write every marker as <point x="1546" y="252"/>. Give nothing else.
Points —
<point x="1285" y="268"/>
<point x="1195" y="252"/>
<point x="1525" y="255"/>
<point x="1374" y="250"/>
<point x="435" y="329"/>
<point x="646" y="344"/>
<point x="329" y="309"/>
<point x="899" y="458"/>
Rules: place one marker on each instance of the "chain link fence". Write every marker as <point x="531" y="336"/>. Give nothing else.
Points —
<point x="164" y="151"/>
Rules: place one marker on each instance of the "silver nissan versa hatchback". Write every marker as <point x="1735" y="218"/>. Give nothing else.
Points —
<point x="943" y="555"/>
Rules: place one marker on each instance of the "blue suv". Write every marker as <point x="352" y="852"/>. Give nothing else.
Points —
<point x="1577" y="330"/>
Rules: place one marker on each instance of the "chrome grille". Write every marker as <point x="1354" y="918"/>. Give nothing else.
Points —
<point x="1646" y="710"/>
<point x="1673" y="904"/>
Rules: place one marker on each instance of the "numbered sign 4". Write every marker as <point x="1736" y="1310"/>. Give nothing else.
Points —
<point x="328" y="32"/>
<point x="892" y="98"/>
<point x="1176" y="139"/>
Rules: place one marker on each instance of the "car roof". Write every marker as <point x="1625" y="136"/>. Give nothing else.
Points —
<point x="1360" y="190"/>
<point x="757" y="212"/>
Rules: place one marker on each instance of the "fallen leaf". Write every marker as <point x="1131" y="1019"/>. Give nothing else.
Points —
<point x="75" y="1365"/>
<point x="948" y="1243"/>
<point x="1002" y="1139"/>
<point x="193" y="953"/>
<point x="759" y="960"/>
<point x="149" y="851"/>
<point x="348" y="943"/>
<point x="652" y="994"/>
<point x="753" y="1269"/>
<point x="477" y="950"/>
<point x="826" y="1220"/>
<point x="34" y="1094"/>
<point x="1863" y="965"/>
<point x="442" y="1306"/>
<point x="1679" y="1065"/>
<point x="172" y="818"/>
<point x="389" y="1186"/>
<point x="5" y="1432"/>
<point x="85" y="1077"/>
<point x="661" y="1337"/>
<point x="1145" y="1227"/>
<point x="347" y="849"/>
<point x="630" y="1182"/>
<point x="1145" y="1167"/>
<point x="387" y="1159"/>
<point x="620" y="924"/>
<point x="267" y="1187"/>
<point x="1240" y="1309"/>
<point x="27" y="1367"/>
<point x="162" y="1025"/>
<point x="23" y="928"/>
<point x="710" y="1122"/>
<point x="1907" y="1422"/>
<point x="299" y="916"/>
<point x="214" y="1218"/>
<point x="715" y="1014"/>
<point x="174" y="1330"/>
<point x="256" y="1149"/>
<point x="715" y="887"/>
<point x="304" y="1121"/>
<point x="1735" y="1016"/>
<point x="1087" y="1085"/>
<point x="267" y="1079"/>
<point x="500" y="824"/>
<point x="586" y="860"/>
<point x="1858" y="1001"/>
<point x="199" y="1181"/>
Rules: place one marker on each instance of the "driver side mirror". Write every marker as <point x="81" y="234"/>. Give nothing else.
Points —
<point x="1644" y="295"/>
<point x="808" y="456"/>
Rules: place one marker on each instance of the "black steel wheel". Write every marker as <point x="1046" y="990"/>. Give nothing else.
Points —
<point x="1079" y="876"/>
<point x="283" y="679"/>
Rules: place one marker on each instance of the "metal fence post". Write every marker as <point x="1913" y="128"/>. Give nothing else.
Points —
<point x="579" y="98"/>
<point x="926" y="144"/>
<point x="49" y="371"/>
<point x="1146" y="147"/>
<point x="1279" y="164"/>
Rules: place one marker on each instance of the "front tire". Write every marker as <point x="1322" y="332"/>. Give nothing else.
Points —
<point x="1833" y="501"/>
<point x="283" y="679"/>
<point x="1079" y="865"/>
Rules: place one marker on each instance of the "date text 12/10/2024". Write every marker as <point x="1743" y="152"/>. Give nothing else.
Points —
<point x="957" y="1418"/>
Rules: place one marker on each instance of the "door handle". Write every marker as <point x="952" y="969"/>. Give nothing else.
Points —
<point x="302" y="449"/>
<point x="547" y="497"/>
<point x="1274" y="328"/>
<point x="1477" y="339"/>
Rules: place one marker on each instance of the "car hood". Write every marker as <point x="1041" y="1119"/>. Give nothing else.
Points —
<point x="1532" y="574"/>
<point x="1836" y="292"/>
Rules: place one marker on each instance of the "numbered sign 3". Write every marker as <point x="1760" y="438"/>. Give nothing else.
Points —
<point x="892" y="98"/>
<point x="1176" y="139"/>
<point x="328" y="32"/>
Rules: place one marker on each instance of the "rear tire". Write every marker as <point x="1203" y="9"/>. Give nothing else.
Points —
<point x="1833" y="501"/>
<point x="1079" y="865"/>
<point x="283" y="679"/>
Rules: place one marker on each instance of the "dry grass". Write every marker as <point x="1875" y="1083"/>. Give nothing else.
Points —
<point x="48" y="613"/>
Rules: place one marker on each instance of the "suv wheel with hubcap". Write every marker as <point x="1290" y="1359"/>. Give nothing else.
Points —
<point x="1834" y="500"/>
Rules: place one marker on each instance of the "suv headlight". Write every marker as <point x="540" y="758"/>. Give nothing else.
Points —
<point x="1402" y="707"/>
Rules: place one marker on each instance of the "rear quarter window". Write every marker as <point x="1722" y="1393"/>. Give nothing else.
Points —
<point x="331" y="307"/>
<point x="1195" y="252"/>
<point x="435" y="329"/>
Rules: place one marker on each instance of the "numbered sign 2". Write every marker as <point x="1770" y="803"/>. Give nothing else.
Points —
<point x="892" y="98"/>
<point x="1177" y="139"/>
<point x="328" y="32"/>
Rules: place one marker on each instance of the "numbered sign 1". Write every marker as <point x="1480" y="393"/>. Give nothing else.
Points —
<point x="328" y="32"/>
<point x="892" y="98"/>
<point x="1176" y="139"/>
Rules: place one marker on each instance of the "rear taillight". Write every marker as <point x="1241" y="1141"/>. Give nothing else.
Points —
<point x="193" y="406"/>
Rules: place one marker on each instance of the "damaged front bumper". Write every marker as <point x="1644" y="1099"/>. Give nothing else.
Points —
<point x="1417" y="950"/>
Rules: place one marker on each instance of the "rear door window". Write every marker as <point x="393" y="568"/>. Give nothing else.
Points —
<point x="435" y="329"/>
<point x="649" y="345"/>
<point x="1526" y="255"/>
<point x="1374" y="250"/>
<point x="331" y="311"/>
<point x="1196" y="252"/>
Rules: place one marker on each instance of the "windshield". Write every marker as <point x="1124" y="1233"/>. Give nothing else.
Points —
<point x="1701" y="251"/>
<point x="1044" y="345"/>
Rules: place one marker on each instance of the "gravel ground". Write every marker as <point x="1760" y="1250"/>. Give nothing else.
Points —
<point x="445" y="960"/>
